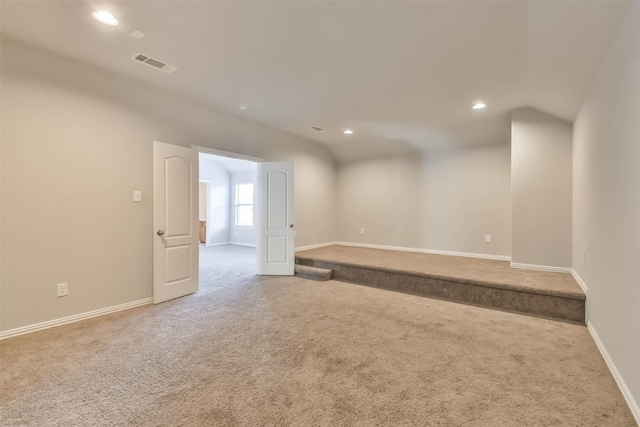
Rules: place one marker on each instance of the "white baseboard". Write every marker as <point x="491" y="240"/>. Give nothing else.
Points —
<point x="231" y="243"/>
<point x="427" y="251"/>
<point x="583" y="285"/>
<point x="71" y="319"/>
<point x="242" y="244"/>
<point x="633" y="405"/>
<point x="218" y="244"/>
<point x="585" y="289"/>
<point x="541" y="267"/>
<point x="317" y="245"/>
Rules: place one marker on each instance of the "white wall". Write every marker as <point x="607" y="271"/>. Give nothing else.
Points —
<point x="76" y="141"/>
<point x="218" y="229"/>
<point x="541" y="188"/>
<point x="440" y="200"/>
<point x="244" y="235"/>
<point x="606" y="201"/>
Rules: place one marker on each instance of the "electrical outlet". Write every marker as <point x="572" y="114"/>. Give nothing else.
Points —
<point x="62" y="289"/>
<point x="137" y="196"/>
<point x="487" y="238"/>
<point x="362" y="231"/>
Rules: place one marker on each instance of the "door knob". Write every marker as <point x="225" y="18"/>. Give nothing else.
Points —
<point x="290" y="225"/>
<point x="160" y="232"/>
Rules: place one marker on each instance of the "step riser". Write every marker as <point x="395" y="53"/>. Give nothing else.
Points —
<point x="312" y="273"/>
<point x="523" y="302"/>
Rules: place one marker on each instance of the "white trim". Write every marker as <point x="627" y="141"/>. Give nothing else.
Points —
<point x="243" y="244"/>
<point x="316" y="246"/>
<point x="583" y="285"/>
<point x="71" y="319"/>
<point x="218" y="244"/>
<point x="633" y="405"/>
<point x="585" y="289"/>
<point x="427" y="251"/>
<point x="208" y="210"/>
<point x="229" y="154"/>
<point x="541" y="267"/>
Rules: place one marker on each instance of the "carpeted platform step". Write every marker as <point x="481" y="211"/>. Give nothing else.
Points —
<point x="518" y="297"/>
<point x="313" y="273"/>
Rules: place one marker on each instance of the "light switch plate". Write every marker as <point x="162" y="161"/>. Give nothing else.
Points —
<point x="137" y="196"/>
<point x="63" y="289"/>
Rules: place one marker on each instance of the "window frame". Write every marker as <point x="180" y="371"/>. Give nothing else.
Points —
<point x="236" y="204"/>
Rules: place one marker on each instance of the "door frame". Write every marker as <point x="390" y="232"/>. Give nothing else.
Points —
<point x="207" y="150"/>
<point x="208" y="207"/>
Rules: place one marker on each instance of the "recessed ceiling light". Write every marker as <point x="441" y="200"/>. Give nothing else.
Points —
<point x="243" y="106"/>
<point x="348" y="131"/>
<point x="478" y="105"/>
<point x="105" y="17"/>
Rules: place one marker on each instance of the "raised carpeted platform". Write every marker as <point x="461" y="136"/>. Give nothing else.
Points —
<point x="476" y="281"/>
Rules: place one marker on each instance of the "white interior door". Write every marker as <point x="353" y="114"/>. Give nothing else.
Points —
<point x="276" y="254"/>
<point x="175" y="221"/>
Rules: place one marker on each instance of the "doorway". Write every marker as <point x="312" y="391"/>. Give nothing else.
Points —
<point x="227" y="215"/>
<point x="256" y="213"/>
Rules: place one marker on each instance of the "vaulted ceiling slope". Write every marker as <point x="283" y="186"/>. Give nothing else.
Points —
<point x="402" y="75"/>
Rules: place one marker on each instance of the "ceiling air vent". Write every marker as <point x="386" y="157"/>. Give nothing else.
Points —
<point x="152" y="62"/>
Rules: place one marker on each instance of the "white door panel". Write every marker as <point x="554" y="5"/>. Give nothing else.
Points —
<point x="175" y="219"/>
<point x="276" y="247"/>
<point x="177" y="180"/>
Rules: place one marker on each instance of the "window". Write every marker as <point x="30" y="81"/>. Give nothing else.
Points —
<point x="244" y="204"/>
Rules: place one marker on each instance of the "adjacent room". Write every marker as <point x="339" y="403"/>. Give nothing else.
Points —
<point x="227" y="218"/>
<point x="319" y="213"/>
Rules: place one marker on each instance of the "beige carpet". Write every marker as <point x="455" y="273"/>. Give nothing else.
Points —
<point x="249" y="351"/>
<point x="463" y="269"/>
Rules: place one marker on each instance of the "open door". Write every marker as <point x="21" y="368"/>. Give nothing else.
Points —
<point x="276" y="254"/>
<point x="175" y="221"/>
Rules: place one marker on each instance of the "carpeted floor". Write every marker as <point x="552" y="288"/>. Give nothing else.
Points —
<point x="476" y="270"/>
<point x="250" y="350"/>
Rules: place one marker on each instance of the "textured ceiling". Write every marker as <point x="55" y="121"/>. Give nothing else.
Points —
<point x="402" y="75"/>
